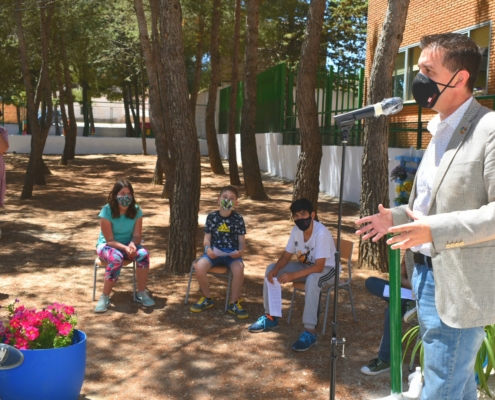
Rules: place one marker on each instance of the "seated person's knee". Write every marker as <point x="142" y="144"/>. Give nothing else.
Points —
<point x="202" y="266"/>
<point x="237" y="266"/>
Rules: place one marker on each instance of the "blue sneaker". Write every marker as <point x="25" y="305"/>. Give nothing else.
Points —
<point x="305" y="341"/>
<point x="237" y="310"/>
<point x="144" y="298"/>
<point x="264" y="324"/>
<point x="103" y="303"/>
<point x="202" y="304"/>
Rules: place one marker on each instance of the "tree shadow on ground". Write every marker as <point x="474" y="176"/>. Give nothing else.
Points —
<point x="47" y="252"/>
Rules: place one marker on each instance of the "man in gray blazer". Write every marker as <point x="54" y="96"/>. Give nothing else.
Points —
<point x="449" y="223"/>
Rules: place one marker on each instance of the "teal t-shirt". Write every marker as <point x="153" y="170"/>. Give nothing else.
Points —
<point x="122" y="227"/>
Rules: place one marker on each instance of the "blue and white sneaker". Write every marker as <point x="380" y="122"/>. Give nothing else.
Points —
<point x="264" y="324"/>
<point x="103" y="303"/>
<point x="306" y="340"/>
<point x="144" y="298"/>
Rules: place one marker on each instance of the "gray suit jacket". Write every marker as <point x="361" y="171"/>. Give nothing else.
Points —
<point x="462" y="220"/>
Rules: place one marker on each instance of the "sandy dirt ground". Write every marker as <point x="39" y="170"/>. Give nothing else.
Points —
<point x="47" y="249"/>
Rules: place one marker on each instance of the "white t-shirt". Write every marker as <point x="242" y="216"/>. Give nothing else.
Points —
<point x="319" y="245"/>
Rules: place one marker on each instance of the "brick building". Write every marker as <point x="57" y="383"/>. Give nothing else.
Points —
<point x="10" y="113"/>
<point x="473" y="18"/>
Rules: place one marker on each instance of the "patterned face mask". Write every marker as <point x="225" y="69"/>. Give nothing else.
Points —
<point x="226" y="204"/>
<point x="125" y="200"/>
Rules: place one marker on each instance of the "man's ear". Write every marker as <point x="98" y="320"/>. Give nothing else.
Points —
<point x="313" y="215"/>
<point x="462" y="78"/>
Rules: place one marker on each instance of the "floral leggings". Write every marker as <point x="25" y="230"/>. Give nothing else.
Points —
<point x="115" y="258"/>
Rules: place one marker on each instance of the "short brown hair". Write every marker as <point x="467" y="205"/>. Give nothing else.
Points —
<point x="460" y="53"/>
<point x="230" y="188"/>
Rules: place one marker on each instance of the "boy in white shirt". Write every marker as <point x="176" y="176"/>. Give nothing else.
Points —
<point x="313" y="245"/>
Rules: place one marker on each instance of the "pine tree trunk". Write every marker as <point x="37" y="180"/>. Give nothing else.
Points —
<point x="137" y="117"/>
<point x="250" y="164"/>
<point x="129" y="132"/>
<point x="143" y="94"/>
<point x="185" y="206"/>
<point x="198" y="61"/>
<point x="55" y="117"/>
<point x="43" y="92"/>
<point x="70" y="134"/>
<point x="307" y="181"/>
<point x="85" y="102"/>
<point x="91" y="118"/>
<point x="65" y="120"/>
<point x="211" y="132"/>
<point x="159" y="112"/>
<point x="374" y="183"/>
<point x="19" y="121"/>
<point x="130" y="101"/>
<point x="233" y="167"/>
<point x="157" y="174"/>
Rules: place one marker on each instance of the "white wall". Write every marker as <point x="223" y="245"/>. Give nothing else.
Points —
<point x="275" y="158"/>
<point x="84" y="145"/>
<point x="281" y="160"/>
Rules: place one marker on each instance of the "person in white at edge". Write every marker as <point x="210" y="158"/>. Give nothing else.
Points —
<point x="451" y="228"/>
<point x="313" y="245"/>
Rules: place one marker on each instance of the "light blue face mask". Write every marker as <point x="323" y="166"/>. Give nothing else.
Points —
<point x="227" y="204"/>
<point x="125" y="200"/>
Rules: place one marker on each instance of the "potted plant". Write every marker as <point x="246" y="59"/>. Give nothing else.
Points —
<point x="485" y="359"/>
<point x="54" y="353"/>
<point x="403" y="190"/>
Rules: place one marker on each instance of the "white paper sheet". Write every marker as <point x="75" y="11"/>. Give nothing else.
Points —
<point x="219" y="252"/>
<point x="405" y="294"/>
<point x="274" y="297"/>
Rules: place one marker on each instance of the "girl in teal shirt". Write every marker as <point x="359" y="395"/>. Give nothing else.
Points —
<point x="121" y="222"/>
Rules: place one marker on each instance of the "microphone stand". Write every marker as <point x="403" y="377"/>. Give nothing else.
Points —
<point x="345" y="126"/>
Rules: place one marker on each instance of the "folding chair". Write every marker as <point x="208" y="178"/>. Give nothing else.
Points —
<point x="220" y="271"/>
<point x="346" y="247"/>
<point x="128" y="264"/>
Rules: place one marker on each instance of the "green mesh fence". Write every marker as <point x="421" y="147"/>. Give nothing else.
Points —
<point x="337" y="92"/>
<point x="270" y="92"/>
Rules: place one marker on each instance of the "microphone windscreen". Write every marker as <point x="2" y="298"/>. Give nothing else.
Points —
<point x="391" y="106"/>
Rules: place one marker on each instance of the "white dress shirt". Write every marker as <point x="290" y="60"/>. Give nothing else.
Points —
<point x="441" y="132"/>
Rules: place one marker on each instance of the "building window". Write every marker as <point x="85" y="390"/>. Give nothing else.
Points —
<point x="406" y="64"/>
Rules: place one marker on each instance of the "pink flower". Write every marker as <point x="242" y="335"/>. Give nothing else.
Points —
<point x="28" y="328"/>
<point x="69" y="310"/>
<point x="65" y="328"/>
<point x="14" y="323"/>
<point x="32" y="333"/>
<point x="22" y="344"/>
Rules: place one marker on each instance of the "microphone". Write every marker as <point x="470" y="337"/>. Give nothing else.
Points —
<point x="387" y="107"/>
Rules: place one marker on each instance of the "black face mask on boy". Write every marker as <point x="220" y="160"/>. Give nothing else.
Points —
<point x="303" y="223"/>
<point x="425" y="90"/>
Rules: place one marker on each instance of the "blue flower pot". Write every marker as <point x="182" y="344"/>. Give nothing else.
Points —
<point x="51" y="374"/>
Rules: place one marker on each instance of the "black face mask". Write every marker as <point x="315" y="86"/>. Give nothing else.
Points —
<point x="425" y="90"/>
<point x="303" y="223"/>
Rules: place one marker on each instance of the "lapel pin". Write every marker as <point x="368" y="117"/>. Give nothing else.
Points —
<point x="463" y="130"/>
